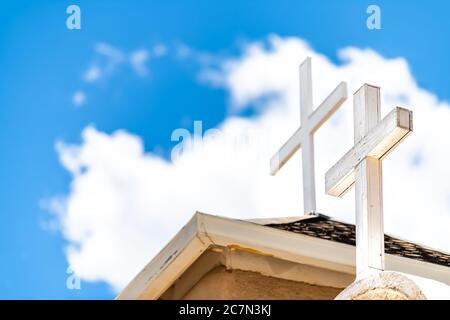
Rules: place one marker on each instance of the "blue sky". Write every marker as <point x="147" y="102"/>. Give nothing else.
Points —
<point x="42" y="65"/>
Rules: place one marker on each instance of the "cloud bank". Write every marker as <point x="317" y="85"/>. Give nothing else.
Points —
<point x="124" y="204"/>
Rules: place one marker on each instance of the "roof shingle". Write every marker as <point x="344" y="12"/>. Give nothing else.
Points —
<point x="323" y="227"/>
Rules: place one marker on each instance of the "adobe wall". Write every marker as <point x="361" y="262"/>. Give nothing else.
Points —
<point x="220" y="283"/>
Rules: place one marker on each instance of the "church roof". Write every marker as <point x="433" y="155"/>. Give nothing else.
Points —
<point x="313" y="240"/>
<point x="324" y="227"/>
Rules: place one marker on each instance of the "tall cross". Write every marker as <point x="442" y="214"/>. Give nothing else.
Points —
<point x="361" y="166"/>
<point x="303" y="137"/>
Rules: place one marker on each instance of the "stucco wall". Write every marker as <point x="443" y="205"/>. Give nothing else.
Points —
<point x="220" y="283"/>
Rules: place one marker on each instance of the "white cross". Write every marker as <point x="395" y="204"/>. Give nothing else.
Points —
<point x="303" y="137"/>
<point x="361" y="166"/>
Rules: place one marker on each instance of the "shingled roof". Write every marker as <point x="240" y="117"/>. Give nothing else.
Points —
<point x="323" y="227"/>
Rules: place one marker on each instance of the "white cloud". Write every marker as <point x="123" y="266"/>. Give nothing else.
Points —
<point x="108" y="58"/>
<point x="92" y="74"/>
<point x="114" y="54"/>
<point x="160" y="50"/>
<point x="124" y="204"/>
<point x="79" y="98"/>
<point x="138" y="59"/>
<point x="204" y="58"/>
<point x="106" y="61"/>
<point x="183" y="51"/>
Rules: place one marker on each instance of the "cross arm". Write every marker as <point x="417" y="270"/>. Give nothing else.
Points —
<point x="382" y="139"/>
<point x="328" y="107"/>
<point x="286" y="151"/>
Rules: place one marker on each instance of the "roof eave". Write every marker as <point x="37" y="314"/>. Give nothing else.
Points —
<point x="205" y="230"/>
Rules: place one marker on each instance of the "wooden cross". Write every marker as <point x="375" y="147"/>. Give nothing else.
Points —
<point x="303" y="137"/>
<point x="361" y="166"/>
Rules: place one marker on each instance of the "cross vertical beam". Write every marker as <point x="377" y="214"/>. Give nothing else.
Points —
<point x="368" y="186"/>
<point x="306" y="108"/>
